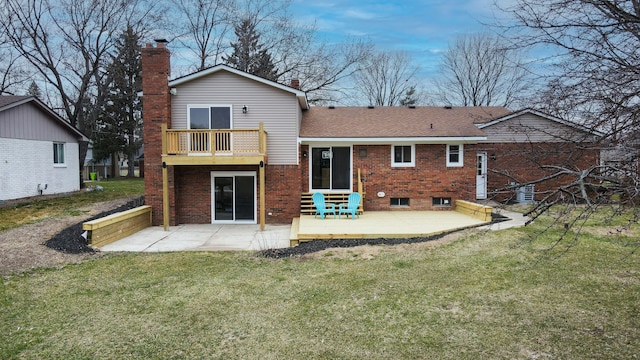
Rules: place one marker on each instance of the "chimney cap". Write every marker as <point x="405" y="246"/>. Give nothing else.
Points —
<point x="161" y="41"/>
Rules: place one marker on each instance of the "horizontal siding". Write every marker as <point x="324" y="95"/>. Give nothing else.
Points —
<point x="530" y="128"/>
<point x="30" y="123"/>
<point x="277" y="109"/>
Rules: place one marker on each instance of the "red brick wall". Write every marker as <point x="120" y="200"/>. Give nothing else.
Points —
<point x="524" y="162"/>
<point x="428" y="179"/>
<point x="283" y="189"/>
<point x="193" y="192"/>
<point x="155" y="112"/>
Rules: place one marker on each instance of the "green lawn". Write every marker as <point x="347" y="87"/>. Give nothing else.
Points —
<point x="36" y="209"/>
<point x="494" y="295"/>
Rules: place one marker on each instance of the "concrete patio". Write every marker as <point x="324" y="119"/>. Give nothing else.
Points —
<point x="373" y="224"/>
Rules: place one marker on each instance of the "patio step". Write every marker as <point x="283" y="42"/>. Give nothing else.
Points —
<point x="307" y="207"/>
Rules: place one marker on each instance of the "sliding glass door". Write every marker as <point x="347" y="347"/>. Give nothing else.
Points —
<point x="330" y="168"/>
<point x="233" y="197"/>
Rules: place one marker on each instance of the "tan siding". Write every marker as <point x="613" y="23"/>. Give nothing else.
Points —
<point x="29" y="123"/>
<point x="277" y="109"/>
<point x="530" y="128"/>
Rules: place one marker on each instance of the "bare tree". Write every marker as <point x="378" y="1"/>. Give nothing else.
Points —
<point x="203" y="27"/>
<point x="66" y="42"/>
<point x="12" y="74"/>
<point x="481" y="70"/>
<point x="386" y="78"/>
<point x="595" y="67"/>
<point x="320" y="67"/>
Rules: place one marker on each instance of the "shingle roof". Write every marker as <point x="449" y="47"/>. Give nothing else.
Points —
<point x="9" y="99"/>
<point x="396" y="121"/>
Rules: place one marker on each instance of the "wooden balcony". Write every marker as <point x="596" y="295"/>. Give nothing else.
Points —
<point x="214" y="147"/>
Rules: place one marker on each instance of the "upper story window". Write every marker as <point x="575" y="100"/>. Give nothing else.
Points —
<point x="455" y="155"/>
<point x="209" y="116"/>
<point x="58" y="154"/>
<point x="403" y="155"/>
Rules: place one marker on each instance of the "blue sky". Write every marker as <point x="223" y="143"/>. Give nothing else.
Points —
<point x="422" y="28"/>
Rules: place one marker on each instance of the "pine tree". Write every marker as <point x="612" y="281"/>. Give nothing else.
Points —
<point x="248" y="54"/>
<point x="409" y="97"/>
<point x="119" y="127"/>
<point x="34" y="90"/>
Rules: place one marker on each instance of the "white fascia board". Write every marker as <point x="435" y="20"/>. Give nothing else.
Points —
<point x="395" y="140"/>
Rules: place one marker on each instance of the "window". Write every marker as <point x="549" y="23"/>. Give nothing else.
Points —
<point x="58" y="153"/>
<point x="454" y="155"/>
<point x="403" y="155"/>
<point x="399" y="201"/>
<point x="205" y="117"/>
<point x="209" y="116"/>
<point x="441" y="201"/>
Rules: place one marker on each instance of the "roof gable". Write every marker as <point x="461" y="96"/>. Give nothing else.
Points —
<point x="301" y="95"/>
<point x="548" y="117"/>
<point x="10" y="102"/>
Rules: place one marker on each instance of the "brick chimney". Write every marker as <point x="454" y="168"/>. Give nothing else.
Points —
<point x="156" y="110"/>
<point x="295" y="83"/>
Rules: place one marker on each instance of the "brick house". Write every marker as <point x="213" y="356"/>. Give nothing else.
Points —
<point x="224" y="146"/>
<point x="39" y="150"/>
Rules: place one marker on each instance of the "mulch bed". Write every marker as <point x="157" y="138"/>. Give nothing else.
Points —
<point x="70" y="240"/>
<point x="319" y="245"/>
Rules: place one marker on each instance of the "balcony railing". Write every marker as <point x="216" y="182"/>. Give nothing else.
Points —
<point x="215" y="142"/>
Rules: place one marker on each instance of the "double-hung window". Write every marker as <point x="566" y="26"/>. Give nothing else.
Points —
<point x="455" y="155"/>
<point x="403" y="156"/>
<point x="58" y="154"/>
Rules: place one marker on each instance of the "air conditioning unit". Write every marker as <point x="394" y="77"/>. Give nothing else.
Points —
<point x="525" y="194"/>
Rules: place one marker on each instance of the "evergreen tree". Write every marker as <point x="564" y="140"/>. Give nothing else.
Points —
<point x="409" y="97"/>
<point x="248" y="54"/>
<point x="119" y="126"/>
<point x="34" y="90"/>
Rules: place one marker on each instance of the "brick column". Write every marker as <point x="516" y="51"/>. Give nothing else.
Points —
<point x="156" y="110"/>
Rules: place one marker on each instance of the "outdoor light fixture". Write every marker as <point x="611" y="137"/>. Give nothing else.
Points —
<point x="245" y="109"/>
<point x="305" y="154"/>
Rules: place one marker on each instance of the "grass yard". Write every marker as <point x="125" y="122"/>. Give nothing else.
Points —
<point x="18" y="213"/>
<point x="493" y="295"/>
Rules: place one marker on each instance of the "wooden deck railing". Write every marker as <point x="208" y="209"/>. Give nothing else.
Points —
<point x="215" y="142"/>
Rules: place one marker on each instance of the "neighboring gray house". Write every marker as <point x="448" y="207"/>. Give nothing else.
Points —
<point x="39" y="150"/>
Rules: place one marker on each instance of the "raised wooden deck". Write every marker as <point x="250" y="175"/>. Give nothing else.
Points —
<point x="380" y="224"/>
<point x="214" y="147"/>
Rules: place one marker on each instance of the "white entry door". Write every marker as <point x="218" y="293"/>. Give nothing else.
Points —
<point x="481" y="176"/>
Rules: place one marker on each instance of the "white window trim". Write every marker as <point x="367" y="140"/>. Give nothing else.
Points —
<point x="461" y="153"/>
<point x="64" y="156"/>
<point x="209" y="106"/>
<point x="233" y="174"/>
<point x="403" y="164"/>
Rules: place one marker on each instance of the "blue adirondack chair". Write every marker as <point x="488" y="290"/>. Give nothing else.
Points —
<point x="321" y="208"/>
<point x="351" y="207"/>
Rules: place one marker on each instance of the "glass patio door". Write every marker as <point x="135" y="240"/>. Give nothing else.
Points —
<point x="233" y="197"/>
<point x="331" y="168"/>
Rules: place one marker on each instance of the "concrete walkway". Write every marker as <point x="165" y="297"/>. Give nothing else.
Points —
<point x="211" y="237"/>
